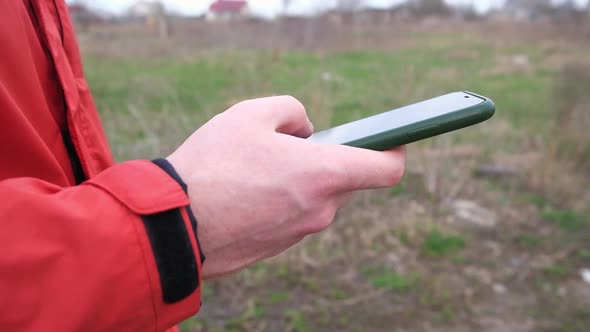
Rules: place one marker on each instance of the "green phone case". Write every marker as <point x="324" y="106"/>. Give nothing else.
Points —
<point x="429" y="128"/>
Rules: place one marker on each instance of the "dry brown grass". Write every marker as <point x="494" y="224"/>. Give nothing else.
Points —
<point x="562" y="170"/>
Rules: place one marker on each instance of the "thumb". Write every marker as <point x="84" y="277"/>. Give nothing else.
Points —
<point x="358" y="169"/>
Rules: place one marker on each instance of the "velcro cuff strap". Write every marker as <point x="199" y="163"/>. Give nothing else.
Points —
<point x="175" y="258"/>
<point x="159" y="199"/>
<point x="169" y="169"/>
<point x="141" y="186"/>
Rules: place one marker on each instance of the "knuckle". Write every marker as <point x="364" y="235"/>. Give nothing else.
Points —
<point x="321" y="220"/>
<point x="293" y="100"/>
<point x="295" y="105"/>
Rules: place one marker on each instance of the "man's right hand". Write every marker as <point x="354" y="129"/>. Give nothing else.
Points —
<point x="257" y="186"/>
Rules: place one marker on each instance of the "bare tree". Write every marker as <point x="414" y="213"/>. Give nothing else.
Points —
<point x="286" y="4"/>
<point x="162" y="21"/>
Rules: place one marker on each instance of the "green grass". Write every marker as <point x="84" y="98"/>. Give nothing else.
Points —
<point x="439" y="244"/>
<point x="363" y="83"/>
<point x="528" y="240"/>
<point x="279" y="297"/>
<point x="397" y="190"/>
<point x="584" y="253"/>
<point x="386" y="279"/>
<point x="252" y="312"/>
<point x="566" y="220"/>
<point x="337" y="294"/>
<point x="578" y="322"/>
<point x="557" y="270"/>
<point x="191" y="325"/>
<point x="537" y="200"/>
<point x="298" y="322"/>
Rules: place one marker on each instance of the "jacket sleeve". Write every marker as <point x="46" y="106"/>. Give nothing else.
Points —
<point x="116" y="253"/>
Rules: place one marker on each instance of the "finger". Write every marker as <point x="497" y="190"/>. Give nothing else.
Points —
<point x="357" y="169"/>
<point x="286" y="114"/>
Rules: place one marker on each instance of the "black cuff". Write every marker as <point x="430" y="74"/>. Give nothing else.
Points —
<point x="169" y="169"/>
<point x="171" y="244"/>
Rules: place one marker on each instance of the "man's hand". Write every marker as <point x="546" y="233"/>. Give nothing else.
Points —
<point x="257" y="187"/>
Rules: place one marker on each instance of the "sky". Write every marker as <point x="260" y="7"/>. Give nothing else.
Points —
<point x="270" y="8"/>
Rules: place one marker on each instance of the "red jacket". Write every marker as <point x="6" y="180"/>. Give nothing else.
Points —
<point x="85" y="245"/>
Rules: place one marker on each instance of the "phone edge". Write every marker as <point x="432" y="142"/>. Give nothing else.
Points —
<point x="453" y="121"/>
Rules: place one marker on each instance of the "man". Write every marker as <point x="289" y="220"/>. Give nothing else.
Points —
<point x="92" y="246"/>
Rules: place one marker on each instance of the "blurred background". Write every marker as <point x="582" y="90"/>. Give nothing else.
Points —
<point x="489" y="230"/>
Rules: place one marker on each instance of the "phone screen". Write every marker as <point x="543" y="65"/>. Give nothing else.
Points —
<point x="398" y="118"/>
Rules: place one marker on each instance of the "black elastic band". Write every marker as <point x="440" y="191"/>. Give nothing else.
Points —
<point x="174" y="254"/>
<point x="171" y="244"/>
<point x="169" y="169"/>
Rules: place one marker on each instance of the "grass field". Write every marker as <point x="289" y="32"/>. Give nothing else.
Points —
<point x="454" y="247"/>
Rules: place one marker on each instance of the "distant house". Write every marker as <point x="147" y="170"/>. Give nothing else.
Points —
<point x="568" y="12"/>
<point x="151" y="13"/>
<point x="83" y="16"/>
<point x="374" y="16"/>
<point x="146" y="11"/>
<point x="423" y="8"/>
<point x="226" y="10"/>
<point x="383" y="16"/>
<point x="465" y="12"/>
<point x="339" y="17"/>
<point x="526" y="10"/>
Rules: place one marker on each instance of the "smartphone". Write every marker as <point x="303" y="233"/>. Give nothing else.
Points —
<point x="411" y="123"/>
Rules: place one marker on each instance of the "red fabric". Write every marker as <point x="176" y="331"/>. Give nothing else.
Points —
<point x="72" y="258"/>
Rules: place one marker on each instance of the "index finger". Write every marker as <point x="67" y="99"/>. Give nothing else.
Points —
<point x="285" y="114"/>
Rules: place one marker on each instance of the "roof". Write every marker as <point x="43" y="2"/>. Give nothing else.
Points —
<point x="225" y="6"/>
